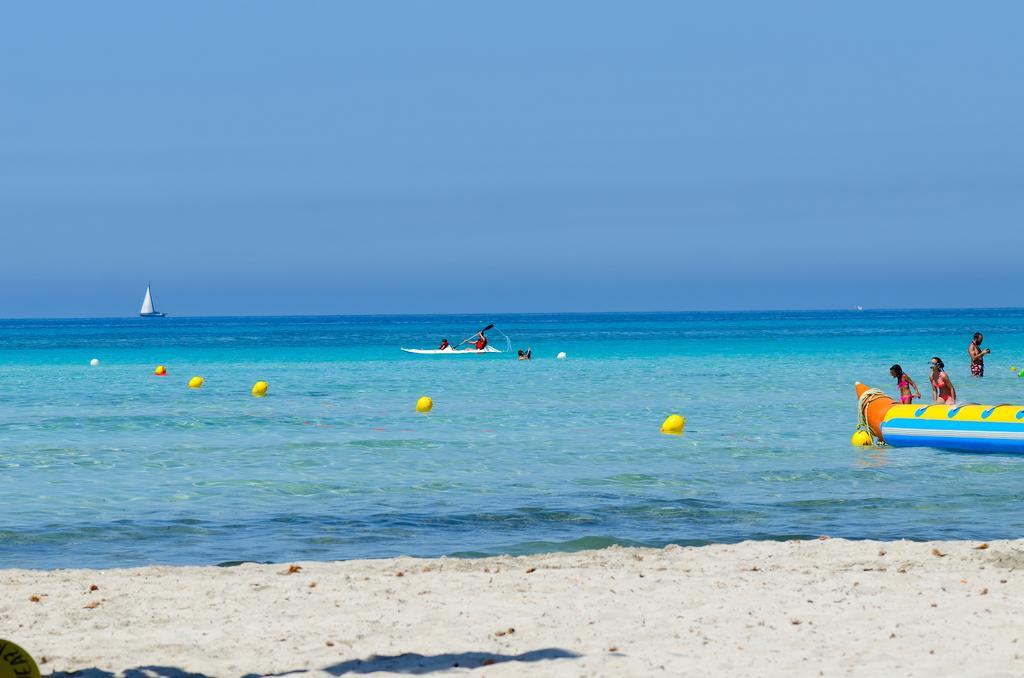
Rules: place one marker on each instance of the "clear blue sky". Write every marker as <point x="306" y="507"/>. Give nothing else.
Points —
<point x="380" y="157"/>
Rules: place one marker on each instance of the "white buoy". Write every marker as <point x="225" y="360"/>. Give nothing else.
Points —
<point x="94" y="362"/>
<point x="561" y="355"/>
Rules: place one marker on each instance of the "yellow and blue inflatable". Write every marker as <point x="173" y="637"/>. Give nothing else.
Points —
<point x="969" y="428"/>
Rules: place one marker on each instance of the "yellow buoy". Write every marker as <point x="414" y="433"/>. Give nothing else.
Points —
<point x="424" y="404"/>
<point x="195" y="382"/>
<point x="674" y="424"/>
<point x="160" y="371"/>
<point x="15" y="662"/>
<point x="259" y="389"/>
<point x="861" y="439"/>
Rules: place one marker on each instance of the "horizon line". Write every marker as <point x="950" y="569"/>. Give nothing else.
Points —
<point x="529" y="313"/>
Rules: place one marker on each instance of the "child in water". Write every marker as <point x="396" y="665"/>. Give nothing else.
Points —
<point x="904" y="384"/>
<point x="942" y="388"/>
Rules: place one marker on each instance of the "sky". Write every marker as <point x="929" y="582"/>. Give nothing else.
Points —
<point x="447" y="157"/>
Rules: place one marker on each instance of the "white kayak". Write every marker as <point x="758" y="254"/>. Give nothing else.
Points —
<point x="450" y="351"/>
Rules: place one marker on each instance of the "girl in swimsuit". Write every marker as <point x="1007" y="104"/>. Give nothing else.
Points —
<point x="942" y="388"/>
<point x="904" y="383"/>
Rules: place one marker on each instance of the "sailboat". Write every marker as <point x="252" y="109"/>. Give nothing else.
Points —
<point x="147" y="306"/>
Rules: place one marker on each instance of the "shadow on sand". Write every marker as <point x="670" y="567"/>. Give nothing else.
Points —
<point x="410" y="662"/>
<point x="136" y="672"/>
<point x="415" y="663"/>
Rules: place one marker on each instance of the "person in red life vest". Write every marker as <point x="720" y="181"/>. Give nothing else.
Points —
<point x="444" y="345"/>
<point x="481" y="341"/>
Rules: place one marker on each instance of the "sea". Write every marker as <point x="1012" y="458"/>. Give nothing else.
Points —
<point x="111" y="466"/>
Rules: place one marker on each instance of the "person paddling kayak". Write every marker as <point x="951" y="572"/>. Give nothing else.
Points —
<point x="477" y="344"/>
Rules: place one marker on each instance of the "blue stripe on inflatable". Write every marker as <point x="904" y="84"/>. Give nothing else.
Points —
<point x="952" y="425"/>
<point x="993" y="445"/>
<point x="971" y="436"/>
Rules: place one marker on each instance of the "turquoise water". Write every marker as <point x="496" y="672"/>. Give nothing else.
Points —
<point x="112" y="466"/>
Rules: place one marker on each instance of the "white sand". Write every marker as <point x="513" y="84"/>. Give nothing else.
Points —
<point x="830" y="607"/>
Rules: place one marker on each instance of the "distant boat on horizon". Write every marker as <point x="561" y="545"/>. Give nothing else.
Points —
<point x="148" y="311"/>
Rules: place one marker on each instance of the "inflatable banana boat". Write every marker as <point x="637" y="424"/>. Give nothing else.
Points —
<point x="971" y="428"/>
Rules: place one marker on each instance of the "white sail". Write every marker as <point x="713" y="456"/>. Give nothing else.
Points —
<point x="147" y="303"/>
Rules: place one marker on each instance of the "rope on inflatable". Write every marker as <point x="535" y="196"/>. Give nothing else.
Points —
<point x="866" y="398"/>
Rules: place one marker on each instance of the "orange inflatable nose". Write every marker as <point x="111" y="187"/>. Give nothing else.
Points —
<point x="876" y="410"/>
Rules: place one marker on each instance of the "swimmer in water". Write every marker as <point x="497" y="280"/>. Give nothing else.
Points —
<point x="525" y="355"/>
<point x="942" y="388"/>
<point x="904" y="383"/>
<point x="977" y="354"/>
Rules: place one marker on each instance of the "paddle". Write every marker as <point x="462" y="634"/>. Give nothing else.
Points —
<point x="470" y="337"/>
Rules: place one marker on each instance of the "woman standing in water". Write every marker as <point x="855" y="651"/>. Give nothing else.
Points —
<point x="904" y="384"/>
<point x="943" y="390"/>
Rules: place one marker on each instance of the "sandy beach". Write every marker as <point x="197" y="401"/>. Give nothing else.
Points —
<point x="822" y="607"/>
